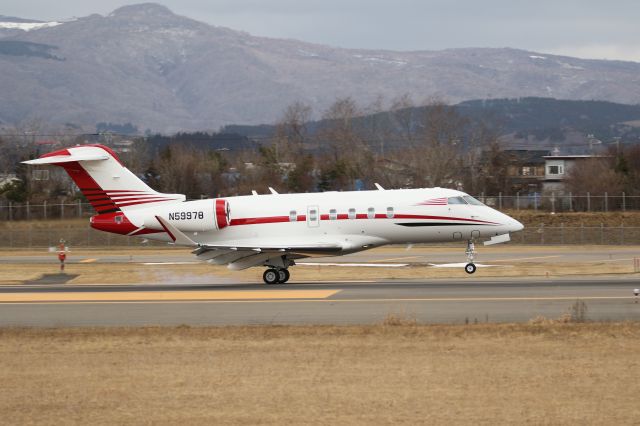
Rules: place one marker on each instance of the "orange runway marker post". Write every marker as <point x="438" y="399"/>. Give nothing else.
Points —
<point x="62" y="254"/>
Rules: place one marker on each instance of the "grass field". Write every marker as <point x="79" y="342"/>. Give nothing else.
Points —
<point x="538" y="373"/>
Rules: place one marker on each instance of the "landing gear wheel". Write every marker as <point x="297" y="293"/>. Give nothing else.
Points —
<point x="283" y="276"/>
<point x="470" y="268"/>
<point x="271" y="276"/>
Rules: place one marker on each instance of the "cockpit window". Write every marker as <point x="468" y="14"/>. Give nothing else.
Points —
<point x="456" y="200"/>
<point x="469" y="199"/>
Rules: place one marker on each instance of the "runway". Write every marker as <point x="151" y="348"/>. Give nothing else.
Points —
<point x="416" y="255"/>
<point x="433" y="301"/>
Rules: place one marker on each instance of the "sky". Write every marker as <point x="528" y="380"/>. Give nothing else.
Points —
<point x="583" y="28"/>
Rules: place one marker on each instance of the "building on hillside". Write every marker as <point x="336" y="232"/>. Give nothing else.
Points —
<point x="525" y="170"/>
<point x="557" y="169"/>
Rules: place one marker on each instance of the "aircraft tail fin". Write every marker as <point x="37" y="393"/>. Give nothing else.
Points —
<point x="106" y="183"/>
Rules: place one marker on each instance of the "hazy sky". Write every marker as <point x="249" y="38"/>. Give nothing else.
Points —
<point x="584" y="28"/>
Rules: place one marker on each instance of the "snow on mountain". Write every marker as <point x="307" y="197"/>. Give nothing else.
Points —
<point x="145" y="65"/>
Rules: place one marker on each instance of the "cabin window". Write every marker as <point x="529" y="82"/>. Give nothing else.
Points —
<point x="313" y="215"/>
<point x="456" y="200"/>
<point x="293" y="216"/>
<point x="118" y="219"/>
<point x="469" y="199"/>
<point x="371" y="213"/>
<point x="390" y="212"/>
<point x="352" y="213"/>
<point x="333" y="214"/>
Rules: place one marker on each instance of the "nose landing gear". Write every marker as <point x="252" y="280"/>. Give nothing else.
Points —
<point x="470" y="268"/>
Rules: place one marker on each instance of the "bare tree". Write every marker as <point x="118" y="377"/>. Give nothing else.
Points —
<point x="346" y="155"/>
<point x="435" y="154"/>
<point x="596" y="176"/>
<point x="291" y="141"/>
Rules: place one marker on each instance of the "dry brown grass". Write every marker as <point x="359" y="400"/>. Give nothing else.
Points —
<point x="409" y="374"/>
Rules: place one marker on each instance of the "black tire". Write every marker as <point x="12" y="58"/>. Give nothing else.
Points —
<point x="283" y="275"/>
<point x="271" y="276"/>
<point x="470" y="268"/>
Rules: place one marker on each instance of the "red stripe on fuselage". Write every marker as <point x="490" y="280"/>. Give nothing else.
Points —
<point x="342" y="216"/>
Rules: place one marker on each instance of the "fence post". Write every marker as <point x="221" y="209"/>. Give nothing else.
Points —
<point x="553" y="202"/>
<point x="570" y="202"/>
<point x="44" y="209"/>
<point x="28" y="214"/>
<point x="518" y="200"/>
<point x="535" y="201"/>
<point x="588" y="202"/>
<point x="606" y="202"/>
<point x="61" y="210"/>
<point x="10" y="211"/>
<point x="500" y="200"/>
<point x="79" y="209"/>
<point x="624" y="205"/>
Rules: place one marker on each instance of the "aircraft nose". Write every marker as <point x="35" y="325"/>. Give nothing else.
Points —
<point x="515" y="226"/>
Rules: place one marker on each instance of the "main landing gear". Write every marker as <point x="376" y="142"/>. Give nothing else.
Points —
<point x="470" y="268"/>
<point x="276" y="276"/>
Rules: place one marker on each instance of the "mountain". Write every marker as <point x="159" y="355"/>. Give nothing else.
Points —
<point x="144" y="65"/>
<point x="522" y="123"/>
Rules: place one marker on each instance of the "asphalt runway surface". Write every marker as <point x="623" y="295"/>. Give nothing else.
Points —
<point x="433" y="301"/>
<point x="429" y="254"/>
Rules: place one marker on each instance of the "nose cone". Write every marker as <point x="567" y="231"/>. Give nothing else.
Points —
<point x="515" y="226"/>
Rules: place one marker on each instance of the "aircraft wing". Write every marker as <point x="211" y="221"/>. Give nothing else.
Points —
<point x="248" y="253"/>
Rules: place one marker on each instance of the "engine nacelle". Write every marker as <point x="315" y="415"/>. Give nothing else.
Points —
<point x="191" y="216"/>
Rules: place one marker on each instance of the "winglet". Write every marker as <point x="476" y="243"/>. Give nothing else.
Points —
<point x="380" y="188"/>
<point x="254" y="192"/>
<point x="175" y="234"/>
<point x="273" y="191"/>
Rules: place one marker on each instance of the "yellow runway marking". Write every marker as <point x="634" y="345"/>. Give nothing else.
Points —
<point x="88" y="260"/>
<point x="160" y="296"/>
<point x="526" y="258"/>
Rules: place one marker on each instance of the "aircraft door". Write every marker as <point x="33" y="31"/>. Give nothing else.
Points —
<point x="313" y="216"/>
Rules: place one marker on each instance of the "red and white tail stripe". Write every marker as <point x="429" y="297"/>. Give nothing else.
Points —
<point x="442" y="201"/>
<point x="94" y="168"/>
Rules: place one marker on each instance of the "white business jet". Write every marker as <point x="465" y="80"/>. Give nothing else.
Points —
<point x="275" y="230"/>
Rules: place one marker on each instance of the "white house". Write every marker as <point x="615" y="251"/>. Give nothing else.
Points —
<point x="557" y="168"/>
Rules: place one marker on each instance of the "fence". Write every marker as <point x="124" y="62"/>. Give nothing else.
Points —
<point x="544" y="202"/>
<point x="565" y="202"/>
<point x="84" y="236"/>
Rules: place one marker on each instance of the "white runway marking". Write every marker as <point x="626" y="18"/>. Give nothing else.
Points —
<point x="462" y="265"/>
<point x="171" y="263"/>
<point x="372" y="265"/>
